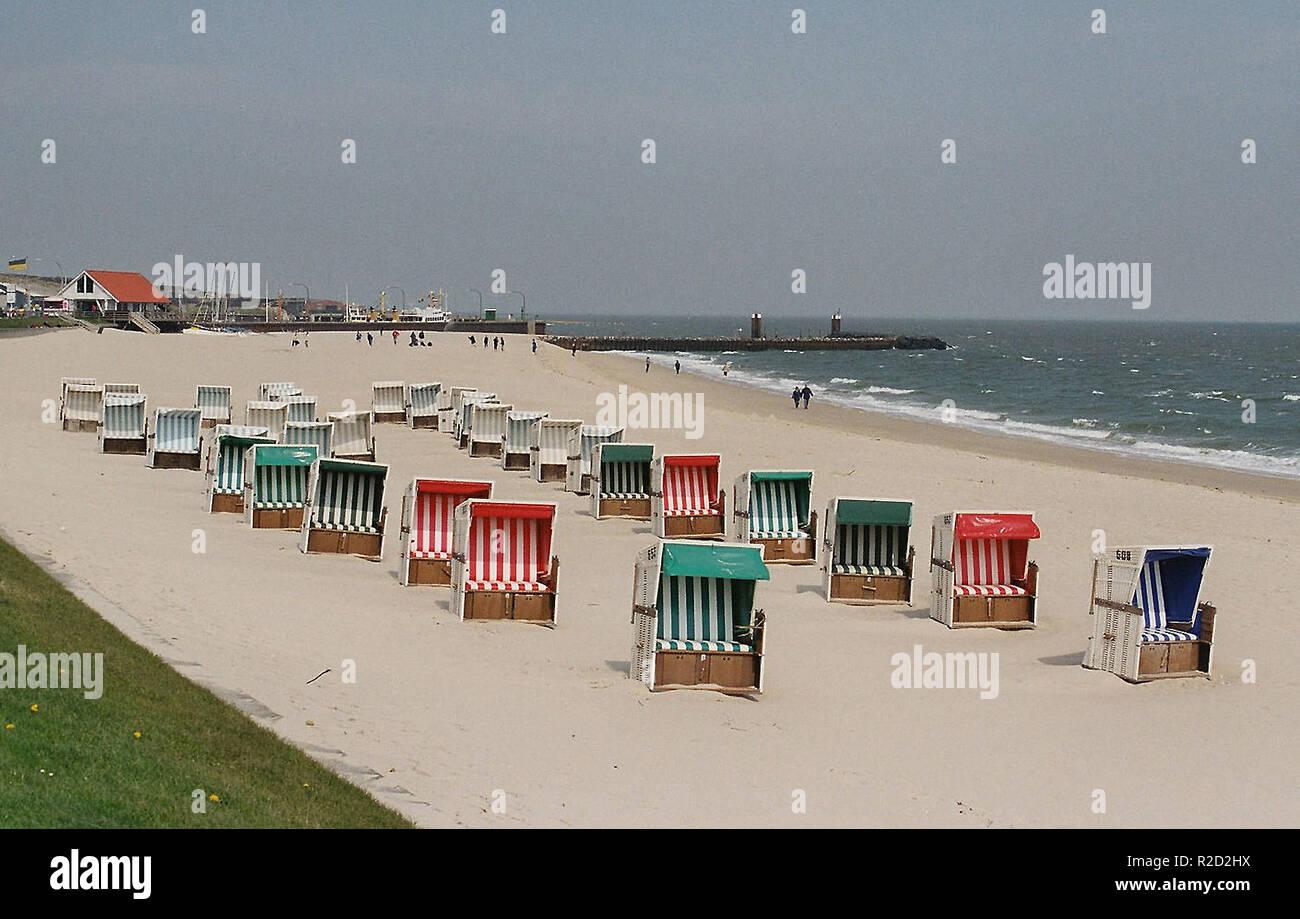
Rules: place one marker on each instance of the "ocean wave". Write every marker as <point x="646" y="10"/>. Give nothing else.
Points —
<point x="1287" y="397"/>
<point x="888" y="390"/>
<point x="846" y="380"/>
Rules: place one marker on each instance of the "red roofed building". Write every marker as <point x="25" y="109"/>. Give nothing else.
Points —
<point x="112" y="291"/>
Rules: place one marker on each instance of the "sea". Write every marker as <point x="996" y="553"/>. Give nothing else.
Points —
<point x="1213" y="394"/>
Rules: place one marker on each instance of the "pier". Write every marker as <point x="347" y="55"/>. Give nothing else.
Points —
<point x="827" y="343"/>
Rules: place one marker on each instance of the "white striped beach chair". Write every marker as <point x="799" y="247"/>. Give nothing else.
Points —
<point x="548" y="448"/>
<point x="123" y="428"/>
<point x="695" y="623"/>
<point x="449" y="407"/>
<point x="64" y="383"/>
<point x="174" y="441"/>
<point x="275" y="485"/>
<point x="83" y="406"/>
<point x="867" y="556"/>
<point x="285" y="394"/>
<point x="388" y="402"/>
<point x="685" y="500"/>
<point x="268" y="414"/>
<point x="299" y="408"/>
<point x="487" y="428"/>
<point x="1148" y="620"/>
<point x="345" y="511"/>
<point x="266" y="392"/>
<point x="422" y="405"/>
<point x="980" y="571"/>
<point x="502" y="566"/>
<point x="318" y="434"/>
<point x="467" y="402"/>
<point x="774" y="507"/>
<point x="122" y="388"/>
<point x="223" y="466"/>
<point x="517" y="438"/>
<point x="620" y="480"/>
<point x="580" y="450"/>
<point x="214" y="404"/>
<point x="428" y="512"/>
<point x="352" y="437"/>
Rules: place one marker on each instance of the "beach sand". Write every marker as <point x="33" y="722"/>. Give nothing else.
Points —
<point x="444" y="715"/>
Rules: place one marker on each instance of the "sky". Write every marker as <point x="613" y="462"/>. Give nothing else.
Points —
<point x="774" y="151"/>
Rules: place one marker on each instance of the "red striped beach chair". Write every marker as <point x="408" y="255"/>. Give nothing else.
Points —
<point x="980" y="571"/>
<point x="502" y="566"/>
<point x="686" y="502"/>
<point x="428" y="512"/>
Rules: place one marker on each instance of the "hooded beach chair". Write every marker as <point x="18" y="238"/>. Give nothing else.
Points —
<point x="123" y="430"/>
<point x="449" y="407"/>
<point x="487" y="428"/>
<point x="685" y="500"/>
<point x="501" y="564"/>
<point x="548" y="448"/>
<point x="467" y="402"/>
<point x="64" y="383"/>
<point x="267" y="392"/>
<point x="428" y="512"/>
<point x="122" y="388"/>
<point x="318" y="434"/>
<point x="300" y="408"/>
<point x="980" y="572"/>
<point x="268" y="414"/>
<point x="580" y="450"/>
<point x="694" y="620"/>
<point x="422" y="405"/>
<point x="774" y="508"/>
<point x="83" y="405"/>
<point x="345" y="511"/>
<point x="1148" y="621"/>
<point x="388" y="402"/>
<point x="867" y="556"/>
<point x="352" y="437"/>
<point x="517" y="439"/>
<point x="214" y="404"/>
<point x="223" y="467"/>
<point x="174" y="440"/>
<point x="275" y="485"/>
<point x="620" y="480"/>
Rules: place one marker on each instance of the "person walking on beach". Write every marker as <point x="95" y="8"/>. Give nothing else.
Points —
<point x="534" y="345"/>
<point x="306" y="339"/>
<point x="494" y="342"/>
<point x="394" y="338"/>
<point x="726" y="368"/>
<point x="807" y="394"/>
<point x="795" y="396"/>
<point x="370" y="339"/>
<point x="295" y="339"/>
<point x="575" y="351"/>
<point x="358" y="335"/>
<point x="677" y="366"/>
<point x="647" y="365"/>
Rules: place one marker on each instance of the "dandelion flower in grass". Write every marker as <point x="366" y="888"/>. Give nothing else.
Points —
<point x="9" y="727"/>
<point x="305" y="785"/>
<point x="35" y="707"/>
<point x="136" y="735"/>
<point x="214" y="799"/>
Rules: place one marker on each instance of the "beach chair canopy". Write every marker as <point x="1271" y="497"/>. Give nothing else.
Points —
<point x="1169" y="585"/>
<point x="121" y="388"/>
<point x="348" y="495"/>
<point x="625" y="470"/>
<point x="351" y="432"/>
<point x="300" y="408"/>
<point x="124" y="416"/>
<point x="467" y="402"/>
<point x="65" y="382"/>
<point x="213" y="402"/>
<point x="268" y="414"/>
<point x="230" y="446"/>
<point x="83" y="401"/>
<point x="551" y="438"/>
<point x="509" y="545"/>
<point x="241" y="430"/>
<point x="268" y="391"/>
<point x="424" y="398"/>
<point x="389" y="396"/>
<point x="319" y="434"/>
<point x="690" y="484"/>
<point x="588" y="436"/>
<point x="487" y="421"/>
<point x="870" y="536"/>
<point x="706" y="597"/>
<point x="780" y="504"/>
<point x="990" y="551"/>
<point x="518" y="430"/>
<point x="280" y="475"/>
<point x="176" y="430"/>
<point x="434" y="513"/>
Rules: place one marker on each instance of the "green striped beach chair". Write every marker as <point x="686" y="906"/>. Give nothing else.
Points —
<point x="695" y="624"/>
<point x="345" y="512"/>
<point x="275" y="485"/>
<point x="174" y="441"/>
<point x="867" y="556"/>
<point x="581" y="450"/>
<point x="318" y="434"/>
<point x="224" y="466"/>
<point x="774" y="508"/>
<point x="123" y="428"/>
<point x="82" y="406"/>
<point x="388" y="402"/>
<point x="620" y="480"/>
<point x="518" y="438"/>
<point x="213" y="402"/>
<point x="422" y="405"/>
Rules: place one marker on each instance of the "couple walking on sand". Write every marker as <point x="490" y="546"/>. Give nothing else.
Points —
<point x="805" y="394"/>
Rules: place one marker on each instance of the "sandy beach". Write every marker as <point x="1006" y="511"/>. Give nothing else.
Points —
<point x="444" y="714"/>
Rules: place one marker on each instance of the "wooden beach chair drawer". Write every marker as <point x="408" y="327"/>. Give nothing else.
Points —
<point x="870" y="587"/>
<point x="699" y="668"/>
<point x="531" y="606"/>
<point x="991" y="609"/>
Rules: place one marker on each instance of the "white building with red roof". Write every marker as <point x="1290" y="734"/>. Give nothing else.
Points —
<point x="112" y="291"/>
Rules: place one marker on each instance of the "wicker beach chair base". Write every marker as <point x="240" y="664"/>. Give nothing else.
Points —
<point x="485" y="448"/>
<point x="390" y="417"/>
<point x="631" y="508"/>
<point x="516" y="461"/>
<point x="870" y="590"/>
<point x="694" y="526"/>
<point x="365" y="545"/>
<point x="130" y="446"/>
<point x="553" y="472"/>
<point x="720" y="671"/>
<point x="80" y="427"/>
<point x="434" y="572"/>
<point x="278" y="518"/>
<point x="797" y="551"/>
<point x="532" y="606"/>
<point x="228" y="504"/>
<point x="428" y="422"/>
<point x="993" y="612"/>
<point x="174" y="461"/>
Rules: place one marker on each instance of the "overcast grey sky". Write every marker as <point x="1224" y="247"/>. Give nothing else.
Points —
<point x="775" y="151"/>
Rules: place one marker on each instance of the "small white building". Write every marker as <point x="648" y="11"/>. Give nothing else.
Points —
<point x="104" y="292"/>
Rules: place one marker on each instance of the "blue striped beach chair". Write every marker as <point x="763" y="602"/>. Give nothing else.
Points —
<point x="422" y="405"/>
<point x="275" y="485"/>
<point x="352" y="437"/>
<point x="269" y="414"/>
<point x="267" y="392"/>
<point x="318" y="434"/>
<point x="980" y="570"/>
<point x="345" y="511"/>
<point x="82" y="407"/>
<point x="695" y="623"/>
<point x="388" y="402"/>
<point x="467" y="402"/>
<point x="867" y="555"/>
<point x="449" y="407"/>
<point x="487" y="428"/>
<point x="123" y="428"/>
<point x="581" y="450"/>
<point x="774" y="508"/>
<point x="620" y="480"/>
<point x="548" y="448"/>
<point x="213" y="402"/>
<point x="518" y="438"/>
<point x="175" y="439"/>
<point x="299" y="408"/>
<point x="64" y="383"/>
<point x="1148" y="620"/>
<point x="224" y="466"/>
<point x="121" y="389"/>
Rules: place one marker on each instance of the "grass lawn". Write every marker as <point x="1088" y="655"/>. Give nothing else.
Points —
<point x="27" y="322"/>
<point x="97" y="773"/>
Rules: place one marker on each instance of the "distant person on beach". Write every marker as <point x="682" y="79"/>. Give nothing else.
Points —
<point x="494" y="342"/>
<point x="647" y="365"/>
<point x="677" y="366"/>
<point x="472" y="341"/>
<point x="575" y="350"/>
<point x="414" y="343"/>
<point x="534" y="345"/>
<point x="306" y="339"/>
<point x="795" y="396"/>
<point x="295" y="339"/>
<point x="370" y="339"/>
<point x="394" y="337"/>
<point x="726" y="368"/>
<point x="358" y="335"/>
<point x="422" y="335"/>
<point x="484" y="341"/>
<point x="807" y="394"/>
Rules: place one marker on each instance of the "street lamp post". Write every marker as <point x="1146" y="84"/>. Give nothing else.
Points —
<point x="475" y="290"/>
<point x="523" y="304"/>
